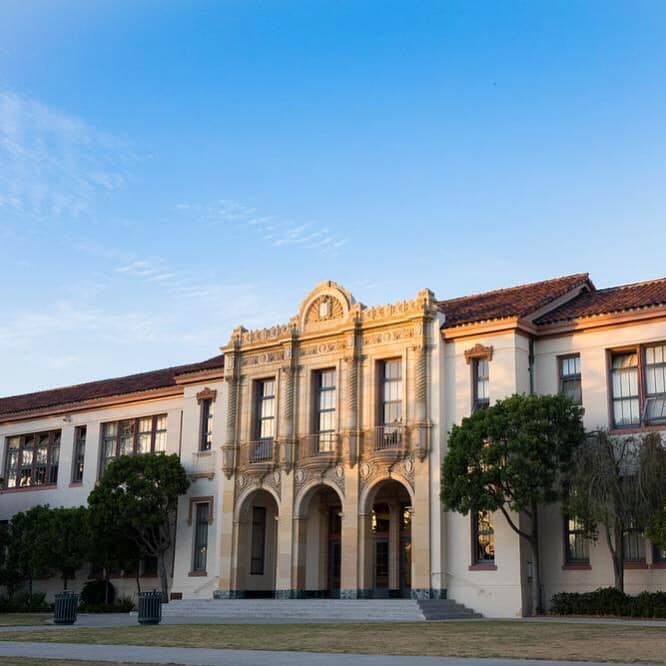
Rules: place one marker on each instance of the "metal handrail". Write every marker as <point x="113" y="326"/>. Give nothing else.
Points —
<point x="389" y="437"/>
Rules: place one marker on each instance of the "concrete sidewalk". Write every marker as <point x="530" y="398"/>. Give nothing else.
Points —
<point x="208" y="657"/>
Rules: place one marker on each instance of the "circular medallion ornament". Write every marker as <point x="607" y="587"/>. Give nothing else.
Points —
<point x="276" y="478"/>
<point x="339" y="471"/>
<point x="409" y="466"/>
<point x="300" y="476"/>
<point x="240" y="480"/>
<point x="364" y="469"/>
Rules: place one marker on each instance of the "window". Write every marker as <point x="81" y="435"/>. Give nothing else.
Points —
<point x="32" y="460"/>
<point x="258" y="541"/>
<point x="634" y="545"/>
<point x="659" y="554"/>
<point x="79" y="454"/>
<point x="123" y="438"/>
<point x="201" y="536"/>
<point x="148" y="566"/>
<point x="483" y="538"/>
<point x="570" y="384"/>
<point x="391" y="392"/>
<point x="576" y="544"/>
<point x="325" y="405"/>
<point x="206" y="438"/>
<point x="264" y="421"/>
<point x="480" y="379"/>
<point x="655" y="384"/>
<point x="624" y="373"/>
<point x="639" y="386"/>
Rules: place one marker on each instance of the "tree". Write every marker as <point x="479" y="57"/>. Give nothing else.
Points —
<point x="28" y="551"/>
<point x="139" y="495"/>
<point x="619" y="483"/>
<point x="112" y="546"/>
<point x="513" y="457"/>
<point x="68" y="540"/>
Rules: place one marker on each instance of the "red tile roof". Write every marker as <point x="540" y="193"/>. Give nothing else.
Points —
<point x="512" y="302"/>
<point x="70" y="395"/>
<point x="635" y="296"/>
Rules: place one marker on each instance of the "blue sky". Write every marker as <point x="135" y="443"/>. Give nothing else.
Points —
<point x="169" y="170"/>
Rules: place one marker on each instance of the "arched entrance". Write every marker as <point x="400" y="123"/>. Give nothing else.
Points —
<point x="388" y="540"/>
<point x="256" y="555"/>
<point x="318" y="543"/>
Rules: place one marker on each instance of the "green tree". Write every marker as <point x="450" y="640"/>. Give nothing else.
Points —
<point x="139" y="494"/>
<point x="513" y="457"/>
<point x="619" y="483"/>
<point x="67" y="537"/>
<point x="112" y="545"/>
<point x="28" y="551"/>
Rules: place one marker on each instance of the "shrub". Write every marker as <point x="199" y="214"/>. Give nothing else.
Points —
<point x="24" y="602"/>
<point x="122" y="605"/>
<point x="609" y="601"/>
<point x="97" y="593"/>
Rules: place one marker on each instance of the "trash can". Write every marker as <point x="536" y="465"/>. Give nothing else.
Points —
<point x="65" y="607"/>
<point x="150" y="607"/>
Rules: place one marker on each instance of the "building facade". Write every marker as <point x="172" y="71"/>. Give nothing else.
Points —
<point x="314" y="447"/>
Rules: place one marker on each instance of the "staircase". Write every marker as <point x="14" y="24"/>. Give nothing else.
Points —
<point x="319" y="610"/>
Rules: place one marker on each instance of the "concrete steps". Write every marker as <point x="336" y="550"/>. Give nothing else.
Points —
<point x="318" y="610"/>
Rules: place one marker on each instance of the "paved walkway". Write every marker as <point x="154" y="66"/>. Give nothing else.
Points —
<point x="207" y="657"/>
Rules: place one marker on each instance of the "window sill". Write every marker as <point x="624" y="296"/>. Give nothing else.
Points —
<point x="636" y="565"/>
<point x="483" y="566"/>
<point x="658" y="565"/>
<point x="76" y="484"/>
<point x="577" y="566"/>
<point x="635" y="429"/>
<point x="25" y="489"/>
<point x="197" y="574"/>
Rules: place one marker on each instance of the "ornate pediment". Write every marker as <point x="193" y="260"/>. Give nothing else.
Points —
<point x="327" y="304"/>
<point x="207" y="394"/>
<point x="479" y="351"/>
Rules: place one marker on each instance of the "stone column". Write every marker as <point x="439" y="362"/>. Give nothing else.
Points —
<point x="394" y="545"/>
<point x="421" y="568"/>
<point x="300" y="525"/>
<point x="284" y="585"/>
<point x="350" y="543"/>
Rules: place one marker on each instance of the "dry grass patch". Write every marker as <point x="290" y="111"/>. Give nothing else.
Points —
<point x="27" y="619"/>
<point x="480" y="638"/>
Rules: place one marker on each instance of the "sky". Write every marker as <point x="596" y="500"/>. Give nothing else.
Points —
<point x="170" y="170"/>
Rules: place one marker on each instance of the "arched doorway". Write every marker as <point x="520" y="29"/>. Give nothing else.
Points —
<point x="256" y="556"/>
<point x="388" y="535"/>
<point x="318" y="543"/>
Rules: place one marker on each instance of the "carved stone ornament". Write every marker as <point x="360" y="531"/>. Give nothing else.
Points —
<point x="479" y="351"/>
<point x="207" y="394"/>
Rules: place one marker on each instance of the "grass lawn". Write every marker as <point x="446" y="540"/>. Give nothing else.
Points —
<point x="17" y="619"/>
<point x="485" y="638"/>
<point x="30" y="661"/>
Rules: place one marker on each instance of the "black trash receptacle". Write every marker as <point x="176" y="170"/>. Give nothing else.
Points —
<point x="150" y="607"/>
<point x="65" y="607"/>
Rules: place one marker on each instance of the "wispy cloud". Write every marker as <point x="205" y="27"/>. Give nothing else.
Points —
<point x="272" y="229"/>
<point x="53" y="164"/>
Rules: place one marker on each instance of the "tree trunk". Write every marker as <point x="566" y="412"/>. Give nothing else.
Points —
<point x="163" y="577"/>
<point x="618" y="557"/>
<point x="138" y="579"/>
<point x="106" y="585"/>
<point x="64" y="582"/>
<point x="536" y="551"/>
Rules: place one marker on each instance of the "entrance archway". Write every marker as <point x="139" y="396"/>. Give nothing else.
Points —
<point x="318" y="542"/>
<point x="256" y="555"/>
<point x="388" y="540"/>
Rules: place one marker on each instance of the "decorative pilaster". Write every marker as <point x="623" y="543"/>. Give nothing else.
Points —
<point x="231" y="378"/>
<point x="351" y="435"/>
<point x="287" y="440"/>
